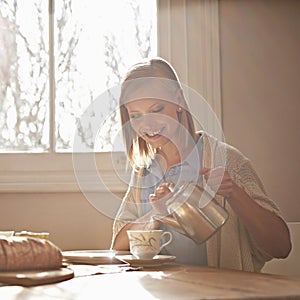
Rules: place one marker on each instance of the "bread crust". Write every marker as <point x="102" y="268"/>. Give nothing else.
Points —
<point x="27" y="253"/>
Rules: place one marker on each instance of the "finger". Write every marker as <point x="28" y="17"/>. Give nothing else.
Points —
<point x="152" y="197"/>
<point x="214" y="179"/>
<point x="225" y="192"/>
<point x="167" y="185"/>
<point x="162" y="190"/>
<point x="203" y="171"/>
<point x="218" y="172"/>
<point x="217" y="178"/>
<point x="217" y="181"/>
<point x="171" y="186"/>
<point x="161" y="193"/>
<point x="221" y="188"/>
<point x="210" y="174"/>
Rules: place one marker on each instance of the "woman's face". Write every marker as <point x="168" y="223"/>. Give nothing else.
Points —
<point x="154" y="120"/>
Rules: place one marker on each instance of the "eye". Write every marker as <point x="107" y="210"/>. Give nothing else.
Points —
<point x="135" y="116"/>
<point x="158" y="109"/>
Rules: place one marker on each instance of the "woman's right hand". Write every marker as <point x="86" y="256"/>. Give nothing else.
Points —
<point x="159" y="198"/>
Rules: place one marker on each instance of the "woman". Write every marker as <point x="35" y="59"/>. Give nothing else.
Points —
<point x="164" y="149"/>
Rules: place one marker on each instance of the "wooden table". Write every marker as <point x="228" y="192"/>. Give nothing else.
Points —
<point x="171" y="281"/>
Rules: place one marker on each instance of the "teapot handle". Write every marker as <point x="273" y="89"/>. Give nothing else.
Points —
<point x="171" y="222"/>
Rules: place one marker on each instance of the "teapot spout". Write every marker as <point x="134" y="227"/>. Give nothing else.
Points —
<point x="171" y="222"/>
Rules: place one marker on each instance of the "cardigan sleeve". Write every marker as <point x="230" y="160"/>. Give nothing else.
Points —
<point x="248" y="179"/>
<point x="252" y="184"/>
<point x="233" y="247"/>
<point x="130" y="209"/>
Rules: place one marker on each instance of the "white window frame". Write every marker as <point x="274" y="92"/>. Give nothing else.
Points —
<point x="192" y="47"/>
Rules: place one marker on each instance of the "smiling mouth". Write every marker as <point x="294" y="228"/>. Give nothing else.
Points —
<point x="155" y="133"/>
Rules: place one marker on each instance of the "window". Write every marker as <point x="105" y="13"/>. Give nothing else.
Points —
<point x="64" y="56"/>
<point x="56" y="58"/>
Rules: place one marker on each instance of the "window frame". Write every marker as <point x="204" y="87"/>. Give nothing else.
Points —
<point x="54" y="172"/>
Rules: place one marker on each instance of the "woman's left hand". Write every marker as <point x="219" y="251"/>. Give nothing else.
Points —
<point x="158" y="199"/>
<point x="219" y="181"/>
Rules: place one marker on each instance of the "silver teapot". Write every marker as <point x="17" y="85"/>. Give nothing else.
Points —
<point x="193" y="212"/>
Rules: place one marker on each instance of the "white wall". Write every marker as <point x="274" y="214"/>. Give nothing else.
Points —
<point x="73" y="223"/>
<point x="291" y="265"/>
<point x="260" y="71"/>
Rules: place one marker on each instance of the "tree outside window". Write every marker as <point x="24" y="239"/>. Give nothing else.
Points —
<point x="56" y="58"/>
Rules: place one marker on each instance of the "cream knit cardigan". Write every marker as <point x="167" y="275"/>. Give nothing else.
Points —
<point x="232" y="246"/>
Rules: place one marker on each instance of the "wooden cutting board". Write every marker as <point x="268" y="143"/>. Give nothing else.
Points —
<point x="34" y="277"/>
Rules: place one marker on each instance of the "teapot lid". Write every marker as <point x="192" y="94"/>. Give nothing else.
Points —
<point x="182" y="193"/>
<point x="179" y="195"/>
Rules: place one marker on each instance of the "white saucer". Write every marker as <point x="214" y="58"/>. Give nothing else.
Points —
<point x="157" y="260"/>
<point x="92" y="256"/>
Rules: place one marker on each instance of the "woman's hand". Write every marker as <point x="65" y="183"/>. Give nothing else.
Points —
<point x="269" y="230"/>
<point x="159" y="198"/>
<point x="219" y="181"/>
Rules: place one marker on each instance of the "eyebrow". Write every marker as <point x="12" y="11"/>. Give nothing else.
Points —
<point x="133" y="111"/>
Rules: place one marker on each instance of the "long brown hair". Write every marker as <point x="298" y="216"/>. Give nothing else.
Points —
<point x="139" y="152"/>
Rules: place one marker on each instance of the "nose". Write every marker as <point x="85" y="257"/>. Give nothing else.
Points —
<point x="147" y="121"/>
<point x="144" y="118"/>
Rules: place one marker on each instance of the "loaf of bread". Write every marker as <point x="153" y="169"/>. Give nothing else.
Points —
<point x="27" y="253"/>
<point x="39" y="235"/>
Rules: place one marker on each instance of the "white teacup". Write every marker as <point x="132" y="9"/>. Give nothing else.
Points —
<point x="145" y="244"/>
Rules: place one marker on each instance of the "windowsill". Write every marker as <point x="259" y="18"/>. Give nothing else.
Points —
<point x="55" y="173"/>
<point x="59" y="182"/>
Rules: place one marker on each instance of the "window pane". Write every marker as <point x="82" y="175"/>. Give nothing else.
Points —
<point x="95" y="42"/>
<point x="24" y="117"/>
